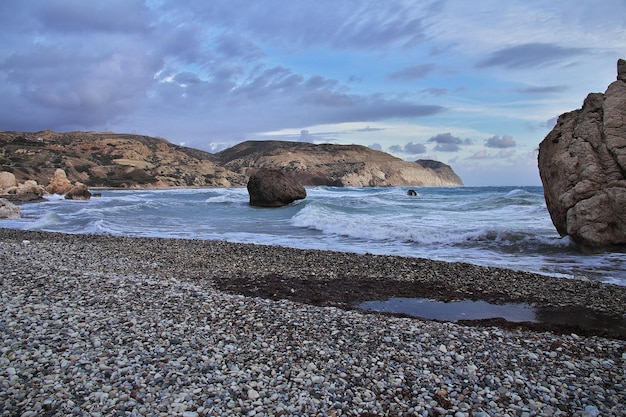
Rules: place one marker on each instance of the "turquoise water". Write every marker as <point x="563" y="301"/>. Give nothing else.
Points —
<point x="494" y="226"/>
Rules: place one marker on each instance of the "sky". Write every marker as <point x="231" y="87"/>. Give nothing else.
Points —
<point x="476" y="85"/>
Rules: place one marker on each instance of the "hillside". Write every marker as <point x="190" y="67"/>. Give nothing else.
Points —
<point x="110" y="160"/>
<point x="132" y="161"/>
<point x="336" y="165"/>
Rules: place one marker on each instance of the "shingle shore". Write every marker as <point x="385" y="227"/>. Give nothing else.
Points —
<point x="95" y="325"/>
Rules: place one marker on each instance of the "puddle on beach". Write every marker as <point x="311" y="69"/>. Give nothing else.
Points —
<point x="451" y="311"/>
<point x="480" y="310"/>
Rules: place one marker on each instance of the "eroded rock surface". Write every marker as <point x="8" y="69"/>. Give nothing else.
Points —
<point x="274" y="188"/>
<point x="582" y="164"/>
<point x="59" y="184"/>
<point x="78" y="192"/>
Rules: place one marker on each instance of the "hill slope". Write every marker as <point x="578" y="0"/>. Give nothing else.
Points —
<point x="132" y="161"/>
<point x="335" y="165"/>
<point x="110" y="160"/>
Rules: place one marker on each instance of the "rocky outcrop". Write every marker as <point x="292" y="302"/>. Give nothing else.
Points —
<point x="78" y="192"/>
<point x="274" y="188"/>
<point x="13" y="191"/>
<point x="9" y="210"/>
<point x="59" y="184"/>
<point x="444" y="171"/>
<point x="582" y="164"/>
<point x="335" y="165"/>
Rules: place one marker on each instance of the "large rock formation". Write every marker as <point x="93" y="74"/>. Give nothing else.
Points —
<point x="78" y="192"/>
<point x="336" y="165"/>
<point x="582" y="164"/>
<point x="59" y="184"/>
<point x="273" y="188"/>
<point x="13" y="191"/>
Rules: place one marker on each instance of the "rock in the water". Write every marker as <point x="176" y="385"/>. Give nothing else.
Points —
<point x="78" y="192"/>
<point x="59" y="184"/>
<point x="274" y="188"/>
<point x="582" y="164"/>
<point x="9" y="210"/>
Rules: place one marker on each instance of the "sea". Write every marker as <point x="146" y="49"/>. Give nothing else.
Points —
<point x="506" y="227"/>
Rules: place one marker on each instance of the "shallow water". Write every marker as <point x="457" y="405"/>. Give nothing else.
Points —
<point x="492" y="226"/>
<point x="452" y="310"/>
<point x="481" y="310"/>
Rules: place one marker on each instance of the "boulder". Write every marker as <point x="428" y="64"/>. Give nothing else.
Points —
<point x="30" y="187"/>
<point x="582" y="165"/>
<point x="30" y="191"/>
<point x="7" y="180"/>
<point x="9" y="210"/>
<point x="78" y="192"/>
<point x="59" y="184"/>
<point x="273" y="188"/>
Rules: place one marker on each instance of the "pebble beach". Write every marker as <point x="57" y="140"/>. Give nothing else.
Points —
<point x="115" y="326"/>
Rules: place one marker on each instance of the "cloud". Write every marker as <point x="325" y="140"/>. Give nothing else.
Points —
<point x="543" y="90"/>
<point x="415" y="148"/>
<point x="305" y="136"/>
<point x="110" y="16"/>
<point x="529" y="55"/>
<point x="435" y="92"/>
<point x="412" y="73"/>
<point x="505" y="141"/>
<point x="78" y="86"/>
<point x="446" y="142"/>
<point x="480" y="155"/>
<point x="486" y="155"/>
<point x="550" y="123"/>
<point x="370" y="129"/>
<point x="376" y="146"/>
<point x="368" y="25"/>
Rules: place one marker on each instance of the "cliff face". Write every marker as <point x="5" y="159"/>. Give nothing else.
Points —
<point x="335" y="165"/>
<point x="134" y="161"/>
<point x="582" y="163"/>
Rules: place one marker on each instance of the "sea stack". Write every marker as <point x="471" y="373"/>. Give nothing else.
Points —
<point x="582" y="164"/>
<point x="274" y="188"/>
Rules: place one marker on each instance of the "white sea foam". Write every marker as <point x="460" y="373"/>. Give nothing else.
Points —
<point x="495" y="226"/>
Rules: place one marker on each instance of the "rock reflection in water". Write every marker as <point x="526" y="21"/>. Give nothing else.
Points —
<point x="452" y="311"/>
<point x="467" y="310"/>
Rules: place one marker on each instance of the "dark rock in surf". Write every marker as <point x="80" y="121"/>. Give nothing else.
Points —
<point x="274" y="188"/>
<point x="78" y="192"/>
<point x="412" y="193"/>
<point x="582" y="164"/>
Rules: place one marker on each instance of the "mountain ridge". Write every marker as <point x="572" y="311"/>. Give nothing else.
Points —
<point x="107" y="159"/>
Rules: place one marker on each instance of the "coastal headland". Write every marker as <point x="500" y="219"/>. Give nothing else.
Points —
<point x="103" y="324"/>
<point x="107" y="159"/>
